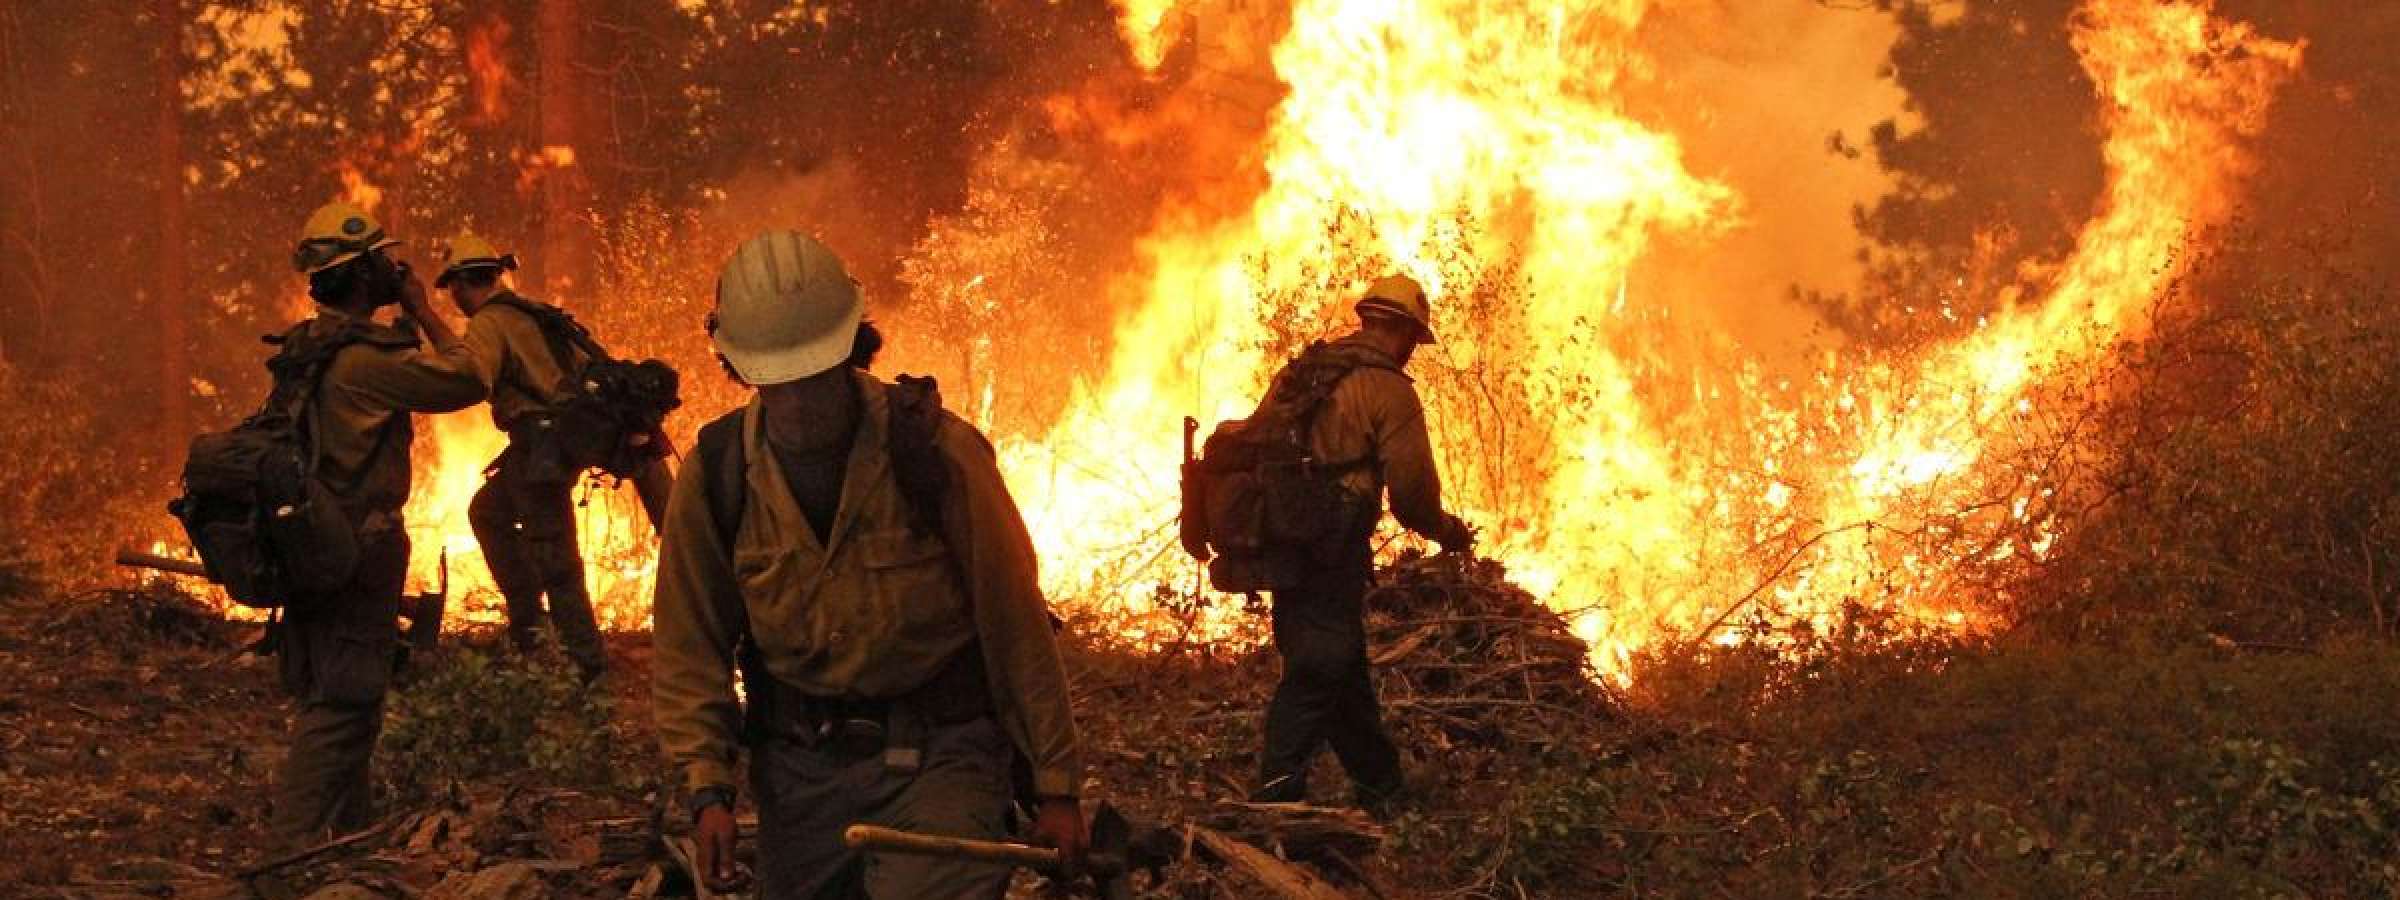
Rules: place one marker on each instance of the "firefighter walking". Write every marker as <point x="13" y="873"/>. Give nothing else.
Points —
<point x="857" y="543"/>
<point x="1356" y="432"/>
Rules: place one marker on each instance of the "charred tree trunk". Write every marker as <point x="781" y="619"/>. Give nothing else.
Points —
<point x="24" y="263"/>
<point x="561" y="267"/>
<point x="173" y="307"/>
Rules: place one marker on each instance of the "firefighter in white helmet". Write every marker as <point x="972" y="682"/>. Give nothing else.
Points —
<point x="858" y="541"/>
<point x="336" y="649"/>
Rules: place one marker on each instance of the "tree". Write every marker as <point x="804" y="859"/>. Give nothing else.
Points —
<point x="174" y="301"/>
<point x="1999" y="167"/>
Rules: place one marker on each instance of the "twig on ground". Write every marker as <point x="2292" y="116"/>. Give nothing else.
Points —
<point x="309" y="853"/>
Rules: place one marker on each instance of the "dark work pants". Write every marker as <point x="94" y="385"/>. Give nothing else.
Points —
<point x="807" y="796"/>
<point x="335" y="655"/>
<point x="1326" y="695"/>
<point x="527" y="531"/>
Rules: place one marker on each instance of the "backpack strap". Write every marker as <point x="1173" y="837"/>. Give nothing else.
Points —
<point x="728" y="464"/>
<point x="1313" y="376"/>
<point x="918" y="465"/>
<point x="557" y="324"/>
<point x="298" y="368"/>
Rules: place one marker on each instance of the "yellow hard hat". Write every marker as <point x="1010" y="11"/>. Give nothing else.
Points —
<point x="337" y="233"/>
<point x="1399" y="295"/>
<point x="467" y="251"/>
<point x="786" y="309"/>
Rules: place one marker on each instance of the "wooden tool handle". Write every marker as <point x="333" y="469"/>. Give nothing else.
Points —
<point x="138" y="560"/>
<point x="878" y="839"/>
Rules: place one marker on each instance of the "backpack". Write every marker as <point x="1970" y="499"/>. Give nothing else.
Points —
<point x="612" y="416"/>
<point x="1258" y="504"/>
<point x="266" y="527"/>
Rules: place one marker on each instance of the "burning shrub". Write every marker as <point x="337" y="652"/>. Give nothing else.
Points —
<point x="78" y="488"/>
<point x="2248" y="483"/>
<point x="471" y="713"/>
<point x="976" y="283"/>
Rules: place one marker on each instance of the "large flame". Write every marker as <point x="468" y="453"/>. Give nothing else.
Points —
<point x="1646" y="490"/>
<point x="1428" y="133"/>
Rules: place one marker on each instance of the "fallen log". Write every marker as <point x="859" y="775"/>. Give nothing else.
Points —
<point x="1300" y="830"/>
<point x="1284" y="879"/>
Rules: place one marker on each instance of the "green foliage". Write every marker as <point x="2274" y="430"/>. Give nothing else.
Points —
<point x="1552" y="820"/>
<point x="2260" y="810"/>
<point x="2023" y="769"/>
<point x="472" y="713"/>
<point x="2242" y="482"/>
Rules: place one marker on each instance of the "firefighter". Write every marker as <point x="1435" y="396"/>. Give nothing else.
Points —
<point x="1371" y="416"/>
<point x="858" y="543"/>
<point x="336" y="649"/>
<point x="523" y="516"/>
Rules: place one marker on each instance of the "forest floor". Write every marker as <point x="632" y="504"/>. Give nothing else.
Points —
<point x="137" y="746"/>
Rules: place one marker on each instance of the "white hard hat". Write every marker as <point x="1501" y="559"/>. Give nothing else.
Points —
<point x="786" y="310"/>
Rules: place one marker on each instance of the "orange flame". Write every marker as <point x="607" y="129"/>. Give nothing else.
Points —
<point x="1148" y="29"/>
<point x="1405" y="120"/>
<point x="452" y="451"/>
<point x="488" y="75"/>
<point x="1483" y="148"/>
<point x="357" y="189"/>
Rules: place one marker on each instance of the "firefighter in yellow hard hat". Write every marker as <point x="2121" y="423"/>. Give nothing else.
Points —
<point x="336" y="648"/>
<point x="1367" y="419"/>
<point x="858" y="543"/>
<point x="529" y="354"/>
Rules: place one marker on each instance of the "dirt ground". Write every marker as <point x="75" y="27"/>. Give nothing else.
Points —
<point x="138" y="745"/>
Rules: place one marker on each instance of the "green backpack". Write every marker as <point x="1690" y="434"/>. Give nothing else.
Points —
<point x="266" y="527"/>
<point x="612" y="416"/>
<point x="1258" y="505"/>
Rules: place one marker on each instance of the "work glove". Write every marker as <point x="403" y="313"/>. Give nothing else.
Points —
<point x="1058" y="822"/>
<point x="1458" y="537"/>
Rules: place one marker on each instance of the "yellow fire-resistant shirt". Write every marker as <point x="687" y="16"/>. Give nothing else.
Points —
<point x="516" y="360"/>
<point x="362" y="409"/>
<point x="1374" y="415"/>
<point x="872" y="612"/>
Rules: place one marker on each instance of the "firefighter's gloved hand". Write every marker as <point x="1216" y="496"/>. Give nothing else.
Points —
<point x="1458" y="538"/>
<point x="1058" y="823"/>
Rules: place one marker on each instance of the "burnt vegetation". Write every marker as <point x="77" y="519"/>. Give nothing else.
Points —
<point x="2182" y="694"/>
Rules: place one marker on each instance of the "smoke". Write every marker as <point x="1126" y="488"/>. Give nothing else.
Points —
<point x="1756" y="91"/>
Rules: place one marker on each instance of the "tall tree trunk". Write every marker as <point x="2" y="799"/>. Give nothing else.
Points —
<point x="174" y="307"/>
<point x="24" y="262"/>
<point x="562" y="268"/>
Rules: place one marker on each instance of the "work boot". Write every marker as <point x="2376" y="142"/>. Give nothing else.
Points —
<point x="1282" y="789"/>
<point x="1383" y="802"/>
